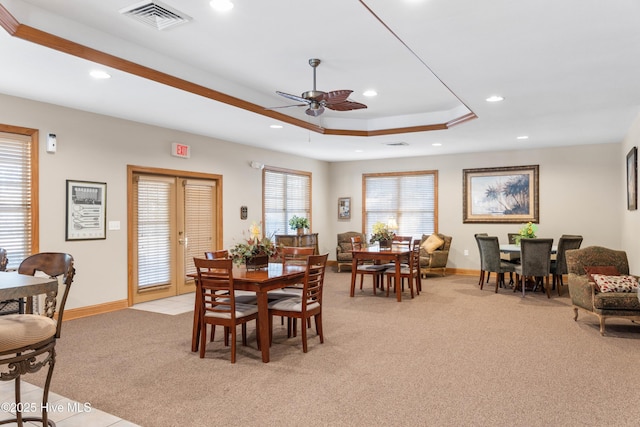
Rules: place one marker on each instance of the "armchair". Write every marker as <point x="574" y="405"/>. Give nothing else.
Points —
<point x="584" y="293"/>
<point x="343" y="250"/>
<point x="434" y="259"/>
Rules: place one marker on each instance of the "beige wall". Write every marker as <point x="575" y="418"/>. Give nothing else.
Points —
<point x="580" y="193"/>
<point x="630" y="221"/>
<point x="581" y="188"/>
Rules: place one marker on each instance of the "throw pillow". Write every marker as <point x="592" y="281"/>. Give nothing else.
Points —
<point x="607" y="270"/>
<point x="432" y="243"/>
<point x="615" y="283"/>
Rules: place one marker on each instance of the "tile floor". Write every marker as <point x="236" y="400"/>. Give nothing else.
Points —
<point x="67" y="413"/>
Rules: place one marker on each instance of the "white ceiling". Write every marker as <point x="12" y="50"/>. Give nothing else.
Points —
<point x="568" y="70"/>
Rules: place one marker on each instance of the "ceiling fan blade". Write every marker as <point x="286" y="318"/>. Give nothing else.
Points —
<point x="294" y="97"/>
<point x="285" y="106"/>
<point x="336" y="96"/>
<point x="346" y="106"/>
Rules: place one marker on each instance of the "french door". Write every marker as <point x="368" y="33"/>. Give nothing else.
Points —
<point x="173" y="219"/>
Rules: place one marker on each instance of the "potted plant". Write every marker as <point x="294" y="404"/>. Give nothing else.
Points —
<point x="381" y="234"/>
<point x="299" y="224"/>
<point x="255" y="251"/>
<point x="528" y="231"/>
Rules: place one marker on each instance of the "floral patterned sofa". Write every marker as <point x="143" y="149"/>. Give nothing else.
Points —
<point x="592" y="271"/>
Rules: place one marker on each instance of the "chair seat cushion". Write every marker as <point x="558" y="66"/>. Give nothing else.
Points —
<point x="21" y="330"/>
<point x="617" y="301"/>
<point x="242" y="310"/>
<point x="371" y="268"/>
<point x="284" y="293"/>
<point x="291" y="304"/>
<point x="344" y="256"/>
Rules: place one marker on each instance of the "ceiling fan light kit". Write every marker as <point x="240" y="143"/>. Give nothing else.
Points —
<point x="317" y="100"/>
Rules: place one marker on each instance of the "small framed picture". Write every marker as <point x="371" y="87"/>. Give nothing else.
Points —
<point x="344" y="208"/>
<point x="86" y="210"/>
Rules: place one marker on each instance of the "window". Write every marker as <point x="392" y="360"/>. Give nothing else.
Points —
<point x="285" y="194"/>
<point x="18" y="193"/>
<point x="409" y="198"/>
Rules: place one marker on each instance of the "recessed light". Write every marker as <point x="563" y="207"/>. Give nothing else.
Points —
<point x="221" y="5"/>
<point x="276" y="126"/>
<point x="436" y="144"/>
<point x="495" y="98"/>
<point x="359" y="151"/>
<point x="522" y="137"/>
<point x="97" y="74"/>
<point x="370" y="93"/>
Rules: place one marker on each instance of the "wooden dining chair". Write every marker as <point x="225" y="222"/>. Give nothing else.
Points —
<point x="27" y="341"/>
<point x="367" y="267"/>
<point x="222" y="253"/>
<point x="535" y="261"/>
<point x="411" y="271"/>
<point x="306" y="306"/>
<point x="218" y="304"/>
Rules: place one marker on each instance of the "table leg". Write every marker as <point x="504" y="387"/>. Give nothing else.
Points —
<point x="354" y="269"/>
<point x="263" y="324"/>
<point x="398" y="284"/>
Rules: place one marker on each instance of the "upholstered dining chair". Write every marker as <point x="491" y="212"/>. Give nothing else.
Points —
<point x="218" y="304"/>
<point x="365" y="267"/>
<point x="411" y="271"/>
<point x="559" y="265"/>
<point x="27" y="341"/>
<point x="481" y="278"/>
<point x="490" y="259"/>
<point x="535" y="261"/>
<point x="308" y="305"/>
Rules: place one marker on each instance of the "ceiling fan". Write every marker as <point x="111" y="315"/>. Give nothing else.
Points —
<point x="317" y="100"/>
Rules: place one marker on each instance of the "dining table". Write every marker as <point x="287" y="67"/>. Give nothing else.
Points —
<point x="14" y="285"/>
<point x="260" y="281"/>
<point x="394" y="253"/>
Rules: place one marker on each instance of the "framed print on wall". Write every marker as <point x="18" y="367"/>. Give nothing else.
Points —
<point x="86" y="210"/>
<point x="344" y="208"/>
<point x="632" y="179"/>
<point x="500" y="195"/>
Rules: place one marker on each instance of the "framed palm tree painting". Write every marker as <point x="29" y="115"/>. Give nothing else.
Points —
<point x="501" y="195"/>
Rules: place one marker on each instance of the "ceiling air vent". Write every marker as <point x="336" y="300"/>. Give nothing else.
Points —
<point x="396" y="144"/>
<point x="155" y="14"/>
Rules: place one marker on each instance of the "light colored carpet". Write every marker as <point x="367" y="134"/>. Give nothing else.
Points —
<point x="455" y="355"/>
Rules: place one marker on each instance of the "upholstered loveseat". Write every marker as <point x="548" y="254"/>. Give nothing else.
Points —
<point x="343" y="250"/>
<point x="434" y="253"/>
<point x="594" y="264"/>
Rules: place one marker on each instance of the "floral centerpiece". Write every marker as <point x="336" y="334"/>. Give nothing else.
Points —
<point x="528" y="231"/>
<point x="253" y="248"/>
<point x="299" y="223"/>
<point x="381" y="234"/>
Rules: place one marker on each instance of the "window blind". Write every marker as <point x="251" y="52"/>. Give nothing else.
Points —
<point x="16" y="209"/>
<point x="199" y="222"/>
<point x="153" y="204"/>
<point x="285" y="194"/>
<point x="410" y="198"/>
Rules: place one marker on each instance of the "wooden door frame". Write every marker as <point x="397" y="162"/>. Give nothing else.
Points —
<point x="133" y="169"/>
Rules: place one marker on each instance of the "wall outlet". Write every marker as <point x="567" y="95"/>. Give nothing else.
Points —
<point x="466" y="252"/>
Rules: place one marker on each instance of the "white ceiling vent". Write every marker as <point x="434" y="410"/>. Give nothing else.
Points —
<point x="155" y="14"/>
<point x="396" y="144"/>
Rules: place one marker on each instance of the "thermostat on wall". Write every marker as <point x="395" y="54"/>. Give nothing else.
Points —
<point x="51" y="143"/>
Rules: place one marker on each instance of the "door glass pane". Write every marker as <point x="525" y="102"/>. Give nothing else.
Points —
<point x="199" y="223"/>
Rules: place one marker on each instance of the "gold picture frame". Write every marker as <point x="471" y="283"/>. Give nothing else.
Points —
<point x="344" y="208"/>
<point x="632" y="179"/>
<point x="501" y="195"/>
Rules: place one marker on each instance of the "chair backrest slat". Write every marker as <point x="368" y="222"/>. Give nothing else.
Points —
<point x="215" y="285"/>
<point x="222" y="253"/>
<point x="314" y="280"/>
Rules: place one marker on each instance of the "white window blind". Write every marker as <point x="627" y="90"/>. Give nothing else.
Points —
<point x="16" y="210"/>
<point x="154" y="201"/>
<point x="198" y="207"/>
<point x="410" y="198"/>
<point x="286" y="193"/>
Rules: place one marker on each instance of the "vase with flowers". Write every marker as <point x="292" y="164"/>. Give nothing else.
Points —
<point x="381" y="233"/>
<point x="255" y="251"/>
<point x="528" y="231"/>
